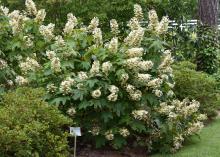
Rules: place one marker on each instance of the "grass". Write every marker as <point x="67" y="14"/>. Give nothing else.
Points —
<point x="207" y="146"/>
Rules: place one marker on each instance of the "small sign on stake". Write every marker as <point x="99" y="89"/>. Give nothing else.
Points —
<point x="75" y="131"/>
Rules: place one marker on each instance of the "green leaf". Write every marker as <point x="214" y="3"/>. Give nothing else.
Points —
<point x="100" y="141"/>
<point x="106" y="116"/>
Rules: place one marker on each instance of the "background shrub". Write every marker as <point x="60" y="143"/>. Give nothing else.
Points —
<point x="196" y="85"/>
<point x="30" y="127"/>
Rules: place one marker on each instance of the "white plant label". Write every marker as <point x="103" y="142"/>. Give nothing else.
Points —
<point x="75" y="131"/>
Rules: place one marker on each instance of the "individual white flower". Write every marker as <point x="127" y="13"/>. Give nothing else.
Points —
<point x="113" y="45"/>
<point x="97" y="36"/>
<point x="138" y="13"/>
<point x="158" y="93"/>
<point x="71" y="111"/>
<point x="140" y="114"/>
<point x="31" y="7"/>
<point x="109" y="135"/>
<point x="55" y="64"/>
<point x="82" y="75"/>
<point x="114" y="27"/>
<point x="106" y="67"/>
<point x="41" y="14"/>
<point x="96" y="93"/>
<point x="20" y="80"/>
<point x="93" y="24"/>
<point x="134" y="52"/>
<point x="50" y="54"/>
<point x="51" y="88"/>
<point x="95" y="68"/>
<point x="47" y="31"/>
<point x="70" y="25"/>
<point x="124" y="132"/>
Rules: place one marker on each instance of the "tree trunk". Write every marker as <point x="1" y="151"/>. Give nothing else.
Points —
<point x="208" y="12"/>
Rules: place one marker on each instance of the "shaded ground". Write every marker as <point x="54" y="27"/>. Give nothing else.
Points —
<point x="207" y="146"/>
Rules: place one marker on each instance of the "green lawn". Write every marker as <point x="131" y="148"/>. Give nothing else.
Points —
<point x="207" y="146"/>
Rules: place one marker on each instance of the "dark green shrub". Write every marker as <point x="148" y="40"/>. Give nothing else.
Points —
<point x="196" y="85"/>
<point x="29" y="127"/>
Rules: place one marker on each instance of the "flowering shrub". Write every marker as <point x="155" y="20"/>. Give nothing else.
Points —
<point x="118" y="90"/>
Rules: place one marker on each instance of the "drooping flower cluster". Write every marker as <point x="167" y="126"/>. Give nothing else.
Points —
<point x="70" y="25"/>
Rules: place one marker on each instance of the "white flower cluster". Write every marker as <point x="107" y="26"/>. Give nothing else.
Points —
<point x="82" y="75"/>
<point x="50" y="54"/>
<point x="134" y="24"/>
<point x="134" y="94"/>
<point x="16" y="21"/>
<point x="55" y="64"/>
<point x="95" y="131"/>
<point x="109" y="135"/>
<point x="95" y="68"/>
<point x="143" y="78"/>
<point x="97" y="36"/>
<point x="135" y="37"/>
<point x="70" y="25"/>
<point x="20" y="80"/>
<point x="158" y="93"/>
<point x="177" y="144"/>
<point x="3" y="64"/>
<point x="93" y="24"/>
<point x="106" y="67"/>
<point x="47" y="31"/>
<point x="28" y="41"/>
<point x="29" y="65"/>
<point x="59" y="40"/>
<point x="124" y="132"/>
<point x="51" y="88"/>
<point x="41" y="14"/>
<point x="138" y="13"/>
<point x="134" y="52"/>
<point x="114" y="27"/>
<point x="165" y="66"/>
<point x="71" y="111"/>
<point x="195" y="128"/>
<point x="31" y="7"/>
<point x="65" y="86"/>
<point x="114" y="93"/>
<point x="155" y="83"/>
<point x="4" y="10"/>
<point x="156" y="26"/>
<point x="124" y="78"/>
<point x="96" y="93"/>
<point x="113" y="45"/>
<point x="140" y="115"/>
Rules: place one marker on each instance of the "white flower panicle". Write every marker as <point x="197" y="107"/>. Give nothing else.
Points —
<point x="3" y="64"/>
<point x="114" y="93"/>
<point x="138" y="13"/>
<point x="70" y="25"/>
<point x="135" y="38"/>
<point x="124" y="78"/>
<point x="155" y="83"/>
<point x="31" y="7"/>
<point x="65" y="86"/>
<point x="93" y="24"/>
<point x="195" y="128"/>
<point x="41" y="14"/>
<point x="28" y="41"/>
<point x="59" y="40"/>
<point x="95" y="68"/>
<point x="143" y="78"/>
<point x="82" y="75"/>
<point x="113" y="45"/>
<point x="4" y="10"/>
<point x="47" y="31"/>
<point x="96" y="93"/>
<point x="16" y="21"/>
<point x="109" y="135"/>
<point x="153" y="20"/>
<point x="71" y="111"/>
<point x="51" y="88"/>
<point x="95" y="131"/>
<point x="163" y="26"/>
<point x="158" y="93"/>
<point x="165" y="66"/>
<point x="114" y="27"/>
<point x="124" y="132"/>
<point x="20" y="80"/>
<point x="55" y="64"/>
<point x="134" y="52"/>
<point x="133" y="63"/>
<point x="134" y="94"/>
<point x="146" y="65"/>
<point x="29" y="65"/>
<point x="50" y="54"/>
<point x="140" y="115"/>
<point x="97" y="36"/>
<point x="134" y="24"/>
<point x="106" y="67"/>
